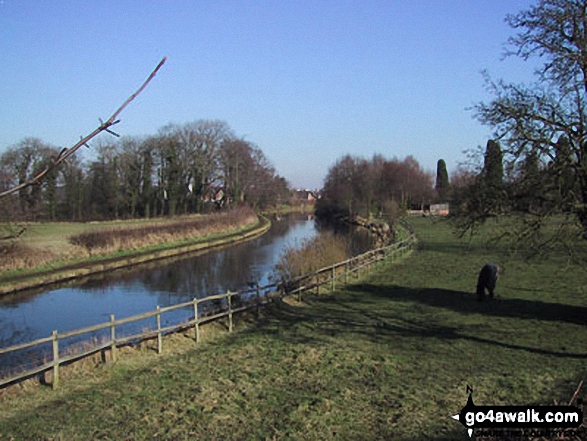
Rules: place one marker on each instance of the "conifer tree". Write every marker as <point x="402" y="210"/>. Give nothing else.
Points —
<point x="442" y="183"/>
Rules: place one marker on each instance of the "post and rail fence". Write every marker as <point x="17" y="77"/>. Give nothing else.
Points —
<point x="232" y="302"/>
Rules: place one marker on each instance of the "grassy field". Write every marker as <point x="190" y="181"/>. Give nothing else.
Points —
<point x="48" y="242"/>
<point x="54" y="235"/>
<point x="47" y="247"/>
<point x="386" y="358"/>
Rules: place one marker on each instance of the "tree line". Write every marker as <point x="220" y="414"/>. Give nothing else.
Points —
<point x="188" y="168"/>
<point x="355" y="186"/>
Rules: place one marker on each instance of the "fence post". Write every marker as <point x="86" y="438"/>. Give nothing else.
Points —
<point x="197" y="320"/>
<point x="113" y="338"/>
<point x="229" y="311"/>
<point x="346" y="273"/>
<point x="333" y="280"/>
<point x="55" y="360"/>
<point x="159" y="336"/>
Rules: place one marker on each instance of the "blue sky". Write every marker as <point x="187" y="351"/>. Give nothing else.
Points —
<point x="306" y="80"/>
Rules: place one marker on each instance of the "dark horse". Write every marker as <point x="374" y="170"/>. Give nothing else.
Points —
<point x="487" y="280"/>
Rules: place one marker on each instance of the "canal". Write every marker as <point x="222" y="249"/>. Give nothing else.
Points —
<point x="31" y="315"/>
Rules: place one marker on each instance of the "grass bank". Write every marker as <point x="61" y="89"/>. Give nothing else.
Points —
<point x="68" y="264"/>
<point x="386" y="358"/>
<point x="298" y="207"/>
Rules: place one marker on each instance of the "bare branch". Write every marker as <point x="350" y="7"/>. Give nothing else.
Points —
<point x="104" y="126"/>
<point x="14" y="235"/>
<point x="576" y="394"/>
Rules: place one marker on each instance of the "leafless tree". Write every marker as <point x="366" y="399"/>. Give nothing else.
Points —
<point x="547" y="121"/>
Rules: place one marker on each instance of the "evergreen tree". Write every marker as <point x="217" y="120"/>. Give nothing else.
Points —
<point x="442" y="184"/>
<point x="490" y="194"/>
<point x="493" y="166"/>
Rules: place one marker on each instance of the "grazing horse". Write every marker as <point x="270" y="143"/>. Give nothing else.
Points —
<point x="487" y="279"/>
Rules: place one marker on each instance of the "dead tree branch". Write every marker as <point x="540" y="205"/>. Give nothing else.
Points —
<point x="14" y="235"/>
<point x="104" y="126"/>
<point x="576" y="394"/>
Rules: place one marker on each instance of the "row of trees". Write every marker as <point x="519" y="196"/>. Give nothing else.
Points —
<point x="182" y="169"/>
<point x="359" y="186"/>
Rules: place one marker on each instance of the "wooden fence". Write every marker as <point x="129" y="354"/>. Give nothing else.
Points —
<point x="232" y="303"/>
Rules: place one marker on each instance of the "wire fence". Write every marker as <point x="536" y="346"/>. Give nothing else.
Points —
<point x="63" y="348"/>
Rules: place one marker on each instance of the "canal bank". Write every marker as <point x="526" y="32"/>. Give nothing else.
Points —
<point x="130" y="258"/>
<point x="31" y="314"/>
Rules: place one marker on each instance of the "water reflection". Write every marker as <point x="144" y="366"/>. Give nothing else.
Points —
<point x="358" y="239"/>
<point x="35" y="314"/>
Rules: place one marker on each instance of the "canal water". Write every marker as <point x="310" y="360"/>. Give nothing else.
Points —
<point x="35" y="314"/>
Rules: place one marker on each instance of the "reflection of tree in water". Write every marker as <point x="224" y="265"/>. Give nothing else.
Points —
<point x="171" y="281"/>
<point x="186" y="279"/>
<point x="198" y="275"/>
<point x="215" y="272"/>
<point x="10" y="335"/>
<point x="359" y="239"/>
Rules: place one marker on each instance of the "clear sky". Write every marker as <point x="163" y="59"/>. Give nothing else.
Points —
<point x="306" y="80"/>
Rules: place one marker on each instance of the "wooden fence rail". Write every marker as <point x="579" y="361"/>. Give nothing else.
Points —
<point x="341" y="272"/>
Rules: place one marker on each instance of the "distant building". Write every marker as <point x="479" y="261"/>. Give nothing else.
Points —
<point x="429" y="210"/>
<point x="215" y="194"/>
<point x="306" y="195"/>
<point x="439" y="209"/>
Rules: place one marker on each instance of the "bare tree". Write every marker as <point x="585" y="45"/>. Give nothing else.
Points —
<point x="20" y="164"/>
<point x="356" y="186"/>
<point x="547" y="122"/>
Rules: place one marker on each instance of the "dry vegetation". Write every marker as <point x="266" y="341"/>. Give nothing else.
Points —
<point x="313" y="254"/>
<point x="18" y="255"/>
<point x="52" y="246"/>
<point x="131" y="238"/>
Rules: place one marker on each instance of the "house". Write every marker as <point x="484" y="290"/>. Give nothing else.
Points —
<point x="306" y="195"/>
<point x="428" y="210"/>
<point x="215" y="194"/>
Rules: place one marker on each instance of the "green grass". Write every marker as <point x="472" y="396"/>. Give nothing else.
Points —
<point x="55" y="235"/>
<point x="387" y="358"/>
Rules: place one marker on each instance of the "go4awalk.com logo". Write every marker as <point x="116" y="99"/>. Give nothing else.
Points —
<point x="518" y="417"/>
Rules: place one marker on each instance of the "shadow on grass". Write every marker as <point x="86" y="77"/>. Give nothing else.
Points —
<point x="465" y="302"/>
<point x="332" y="316"/>
<point x="456" y="248"/>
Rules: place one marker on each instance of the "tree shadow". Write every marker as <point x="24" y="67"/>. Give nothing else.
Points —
<point x="332" y="316"/>
<point x="465" y="302"/>
<point x="446" y="247"/>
